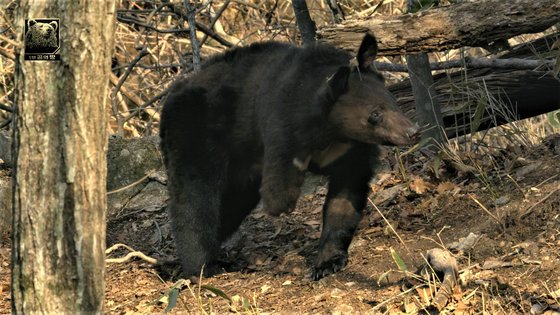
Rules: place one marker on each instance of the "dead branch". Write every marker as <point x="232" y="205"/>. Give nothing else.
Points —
<point x="133" y="98"/>
<point x="123" y="78"/>
<point x="201" y="27"/>
<point x="7" y="53"/>
<point x="475" y="63"/>
<point x="6" y="108"/>
<point x="214" y="20"/>
<point x="131" y="20"/>
<point x="213" y="35"/>
<point x="149" y="173"/>
<point x="117" y="246"/>
<point x="129" y="256"/>
<point x="144" y="106"/>
<point x="531" y="208"/>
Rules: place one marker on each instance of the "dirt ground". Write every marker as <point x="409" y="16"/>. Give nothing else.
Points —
<point x="508" y="202"/>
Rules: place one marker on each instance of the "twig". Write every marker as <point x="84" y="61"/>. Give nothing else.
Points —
<point x="389" y="224"/>
<point x="129" y="256"/>
<point x="132" y="97"/>
<point x="123" y="78"/>
<point x="130" y="20"/>
<point x="147" y="104"/>
<point x="517" y="185"/>
<point x="6" y="108"/>
<point x="6" y="53"/>
<point x="194" y="41"/>
<point x="201" y="27"/>
<point x="213" y="35"/>
<point x="530" y="209"/>
<point x="150" y="173"/>
<point x="117" y="246"/>
<point x="545" y="181"/>
<point x="214" y="20"/>
<point x="487" y="211"/>
<point x="151" y="67"/>
<point x="378" y="306"/>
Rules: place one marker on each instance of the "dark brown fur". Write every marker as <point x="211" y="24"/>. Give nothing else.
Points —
<point x="252" y="121"/>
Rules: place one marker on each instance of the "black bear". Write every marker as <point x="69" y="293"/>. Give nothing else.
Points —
<point x="253" y="120"/>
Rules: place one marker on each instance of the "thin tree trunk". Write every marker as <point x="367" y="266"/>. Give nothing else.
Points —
<point x="428" y="111"/>
<point x="304" y="22"/>
<point x="60" y="143"/>
<point x="191" y="13"/>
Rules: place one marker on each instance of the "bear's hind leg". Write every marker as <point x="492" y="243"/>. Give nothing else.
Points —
<point x="194" y="210"/>
<point x="240" y="197"/>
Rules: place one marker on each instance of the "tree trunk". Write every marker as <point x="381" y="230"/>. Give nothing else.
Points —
<point x="468" y="23"/>
<point x="428" y="112"/>
<point x="60" y="144"/>
<point x="305" y="24"/>
<point x="190" y="13"/>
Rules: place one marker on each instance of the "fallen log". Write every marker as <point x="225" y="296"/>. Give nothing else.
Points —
<point x="501" y="97"/>
<point x="521" y="93"/>
<point x="468" y="23"/>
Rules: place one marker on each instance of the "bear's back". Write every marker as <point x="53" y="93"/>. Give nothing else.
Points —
<point x="279" y="53"/>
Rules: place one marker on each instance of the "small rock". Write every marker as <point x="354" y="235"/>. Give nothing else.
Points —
<point x="537" y="309"/>
<point x="343" y="309"/>
<point x="502" y="200"/>
<point x="336" y="293"/>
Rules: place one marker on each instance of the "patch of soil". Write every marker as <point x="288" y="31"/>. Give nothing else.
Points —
<point x="511" y="268"/>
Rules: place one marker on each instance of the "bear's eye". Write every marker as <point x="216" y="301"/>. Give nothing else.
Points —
<point x="375" y="118"/>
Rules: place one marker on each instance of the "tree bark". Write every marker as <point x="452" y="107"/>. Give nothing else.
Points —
<point x="190" y="13"/>
<point x="428" y="111"/>
<point x="305" y="24"/>
<point x="468" y="23"/>
<point x="60" y="144"/>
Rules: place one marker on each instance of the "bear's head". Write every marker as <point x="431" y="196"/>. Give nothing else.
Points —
<point x="45" y="30"/>
<point x="364" y="110"/>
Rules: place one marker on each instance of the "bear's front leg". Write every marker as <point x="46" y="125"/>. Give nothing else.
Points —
<point x="280" y="185"/>
<point x="349" y="177"/>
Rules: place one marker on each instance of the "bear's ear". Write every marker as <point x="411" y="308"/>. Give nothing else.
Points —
<point x="54" y="25"/>
<point x="31" y="23"/>
<point x="367" y="51"/>
<point x="338" y="82"/>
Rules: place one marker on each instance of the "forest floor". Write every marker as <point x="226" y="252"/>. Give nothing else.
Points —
<point x="507" y="201"/>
